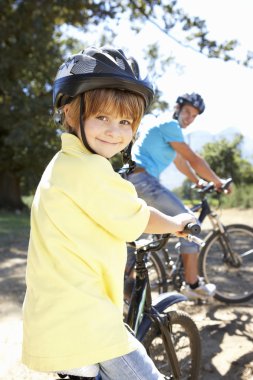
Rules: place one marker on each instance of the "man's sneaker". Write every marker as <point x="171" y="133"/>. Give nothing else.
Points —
<point x="203" y="291"/>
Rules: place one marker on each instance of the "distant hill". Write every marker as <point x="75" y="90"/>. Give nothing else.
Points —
<point x="172" y="178"/>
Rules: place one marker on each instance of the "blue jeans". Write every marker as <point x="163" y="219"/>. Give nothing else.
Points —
<point x="136" y="365"/>
<point x="158" y="196"/>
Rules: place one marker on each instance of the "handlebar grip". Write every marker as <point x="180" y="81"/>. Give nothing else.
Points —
<point x="192" y="228"/>
<point x="226" y="184"/>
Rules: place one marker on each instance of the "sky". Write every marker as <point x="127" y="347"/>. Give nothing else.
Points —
<point x="225" y="86"/>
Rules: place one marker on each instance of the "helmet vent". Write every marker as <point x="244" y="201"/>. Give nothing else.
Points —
<point x="120" y="63"/>
<point x="84" y="66"/>
<point x="76" y="66"/>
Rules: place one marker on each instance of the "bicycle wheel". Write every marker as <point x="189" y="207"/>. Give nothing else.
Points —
<point x="157" y="274"/>
<point x="186" y="339"/>
<point x="233" y="278"/>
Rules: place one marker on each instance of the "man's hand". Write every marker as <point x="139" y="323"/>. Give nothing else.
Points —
<point x="219" y="187"/>
<point x="201" y="184"/>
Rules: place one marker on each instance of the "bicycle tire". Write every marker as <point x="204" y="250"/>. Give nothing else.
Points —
<point x="187" y="343"/>
<point x="157" y="274"/>
<point x="233" y="284"/>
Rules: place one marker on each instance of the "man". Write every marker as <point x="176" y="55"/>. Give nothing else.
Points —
<point x="153" y="151"/>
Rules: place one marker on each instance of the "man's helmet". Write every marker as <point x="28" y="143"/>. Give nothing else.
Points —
<point x="193" y="99"/>
<point x="95" y="68"/>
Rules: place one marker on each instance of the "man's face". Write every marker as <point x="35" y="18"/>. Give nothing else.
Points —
<point x="187" y="115"/>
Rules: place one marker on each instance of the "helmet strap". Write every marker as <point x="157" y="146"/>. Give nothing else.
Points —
<point x="128" y="164"/>
<point x="175" y="115"/>
<point x="177" y="110"/>
<point x="85" y="142"/>
<point x="126" y="153"/>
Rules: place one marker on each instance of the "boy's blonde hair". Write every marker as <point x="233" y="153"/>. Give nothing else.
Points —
<point x="111" y="101"/>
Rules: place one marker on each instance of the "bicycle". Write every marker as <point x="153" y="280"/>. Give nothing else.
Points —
<point x="226" y="258"/>
<point x="171" y="338"/>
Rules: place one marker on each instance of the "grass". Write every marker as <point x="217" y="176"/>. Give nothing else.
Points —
<point x="14" y="223"/>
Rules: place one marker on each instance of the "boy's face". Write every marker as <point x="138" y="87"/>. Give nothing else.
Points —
<point x="107" y="134"/>
<point x="187" y="115"/>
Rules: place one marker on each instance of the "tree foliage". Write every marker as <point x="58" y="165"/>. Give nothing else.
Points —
<point x="32" y="47"/>
<point x="225" y="158"/>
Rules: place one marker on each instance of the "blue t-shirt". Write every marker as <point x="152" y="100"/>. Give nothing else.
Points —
<point x="152" y="149"/>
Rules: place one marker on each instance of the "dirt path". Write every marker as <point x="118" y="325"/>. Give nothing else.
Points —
<point x="226" y="330"/>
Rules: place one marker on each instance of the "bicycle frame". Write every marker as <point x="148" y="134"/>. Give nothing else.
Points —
<point x="141" y="302"/>
<point x="142" y="312"/>
<point x="205" y="211"/>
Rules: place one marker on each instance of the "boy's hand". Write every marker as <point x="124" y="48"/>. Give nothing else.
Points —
<point x="181" y="220"/>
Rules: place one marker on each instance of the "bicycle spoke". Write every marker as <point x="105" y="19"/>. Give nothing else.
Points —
<point x="186" y="342"/>
<point x="231" y="271"/>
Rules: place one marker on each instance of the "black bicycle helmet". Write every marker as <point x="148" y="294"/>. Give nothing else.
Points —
<point x="193" y="99"/>
<point x="94" y="68"/>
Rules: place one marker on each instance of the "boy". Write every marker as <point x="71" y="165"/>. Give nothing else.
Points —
<point x="82" y="216"/>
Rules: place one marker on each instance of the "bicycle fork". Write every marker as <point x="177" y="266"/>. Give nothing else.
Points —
<point x="163" y="324"/>
<point x="230" y="257"/>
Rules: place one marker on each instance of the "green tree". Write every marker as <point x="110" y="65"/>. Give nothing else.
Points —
<point x="32" y="47"/>
<point x="225" y="158"/>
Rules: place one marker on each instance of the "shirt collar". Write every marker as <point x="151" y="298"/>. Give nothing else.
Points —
<point x="72" y="142"/>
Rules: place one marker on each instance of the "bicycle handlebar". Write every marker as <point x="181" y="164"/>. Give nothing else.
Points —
<point x="226" y="184"/>
<point x="192" y="228"/>
<point x="210" y="187"/>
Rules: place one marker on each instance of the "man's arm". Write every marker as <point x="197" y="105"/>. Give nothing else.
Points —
<point x="183" y="166"/>
<point x="198" y="163"/>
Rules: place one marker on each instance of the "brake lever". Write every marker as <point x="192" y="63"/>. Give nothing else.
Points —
<point x="196" y="240"/>
<point x="192" y="229"/>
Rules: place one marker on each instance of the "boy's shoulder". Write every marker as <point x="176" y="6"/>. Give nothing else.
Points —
<point x="97" y="160"/>
<point x="96" y="163"/>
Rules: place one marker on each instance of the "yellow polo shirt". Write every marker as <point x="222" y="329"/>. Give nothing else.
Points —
<point x="82" y="215"/>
